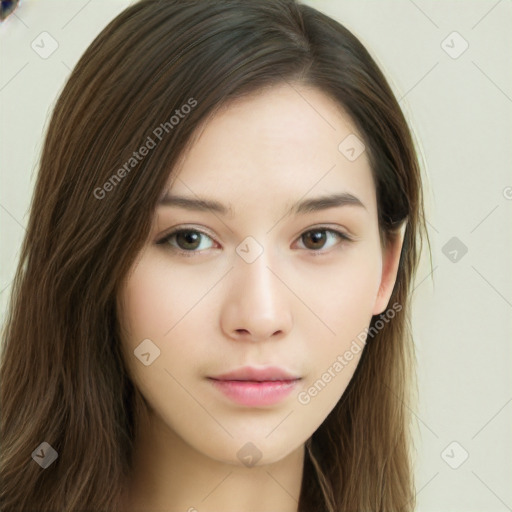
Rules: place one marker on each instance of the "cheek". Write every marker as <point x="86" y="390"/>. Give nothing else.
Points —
<point x="169" y="308"/>
<point x="344" y="298"/>
<point x="156" y="298"/>
<point x="343" y="294"/>
<point x="154" y="306"/>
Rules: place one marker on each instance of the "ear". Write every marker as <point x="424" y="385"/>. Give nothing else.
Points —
<point x="390" y="261"/>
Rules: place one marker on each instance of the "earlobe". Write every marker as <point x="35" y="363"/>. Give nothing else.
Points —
<point x="390" y="261"/>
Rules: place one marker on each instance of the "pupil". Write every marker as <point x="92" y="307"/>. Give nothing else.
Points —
<point x="189" y="237"/>
<point x="317" y="237"/>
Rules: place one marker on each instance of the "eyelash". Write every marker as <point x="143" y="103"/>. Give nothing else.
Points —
<point x="342" y="236"/>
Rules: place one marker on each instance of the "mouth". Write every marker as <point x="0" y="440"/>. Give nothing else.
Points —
<point x="252" y="387"/>
<point x="258" y="374"/>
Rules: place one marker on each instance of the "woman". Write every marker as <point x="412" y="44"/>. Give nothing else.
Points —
<point x="211" y="306"/>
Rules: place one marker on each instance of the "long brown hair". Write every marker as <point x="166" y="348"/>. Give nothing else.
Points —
<point x="63" y="380"/>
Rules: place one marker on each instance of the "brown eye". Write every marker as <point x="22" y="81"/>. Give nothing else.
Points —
<point x="188" y="240"/>
<point x="184" y="240"/>
<point x="315" y="239"/>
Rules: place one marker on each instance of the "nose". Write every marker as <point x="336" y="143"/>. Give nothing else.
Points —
<point x="257" y="303"/>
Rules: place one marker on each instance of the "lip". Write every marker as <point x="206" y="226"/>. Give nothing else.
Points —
<point x="252" y="373"/>
<point x="252" y="387"/>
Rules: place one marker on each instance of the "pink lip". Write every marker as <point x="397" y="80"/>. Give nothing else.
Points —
<point x="257" y="374"/>
<point x="252" y="386"/>
<point x="253" y="393"/>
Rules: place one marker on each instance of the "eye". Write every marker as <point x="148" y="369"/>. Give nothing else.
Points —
<point x="315" y="238"/>
<point x="187" y="241"/>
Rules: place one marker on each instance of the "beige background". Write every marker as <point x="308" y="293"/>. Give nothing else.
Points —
<point x="460" y="109"/>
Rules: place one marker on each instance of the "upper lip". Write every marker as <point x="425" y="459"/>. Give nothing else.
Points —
<point x="259" y="374"/>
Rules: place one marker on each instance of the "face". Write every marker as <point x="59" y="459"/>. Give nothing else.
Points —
<point x="256" y="281"/>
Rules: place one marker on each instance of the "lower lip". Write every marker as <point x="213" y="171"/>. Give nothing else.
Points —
<point x="252" y="393"/>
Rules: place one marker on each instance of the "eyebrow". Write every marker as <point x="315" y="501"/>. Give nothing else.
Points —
<point x="301" y="207"/>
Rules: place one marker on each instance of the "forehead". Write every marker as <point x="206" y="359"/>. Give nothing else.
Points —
<point x="277" y="145"/>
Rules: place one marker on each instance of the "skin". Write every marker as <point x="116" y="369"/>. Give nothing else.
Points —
<point x="213" y="311"/>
